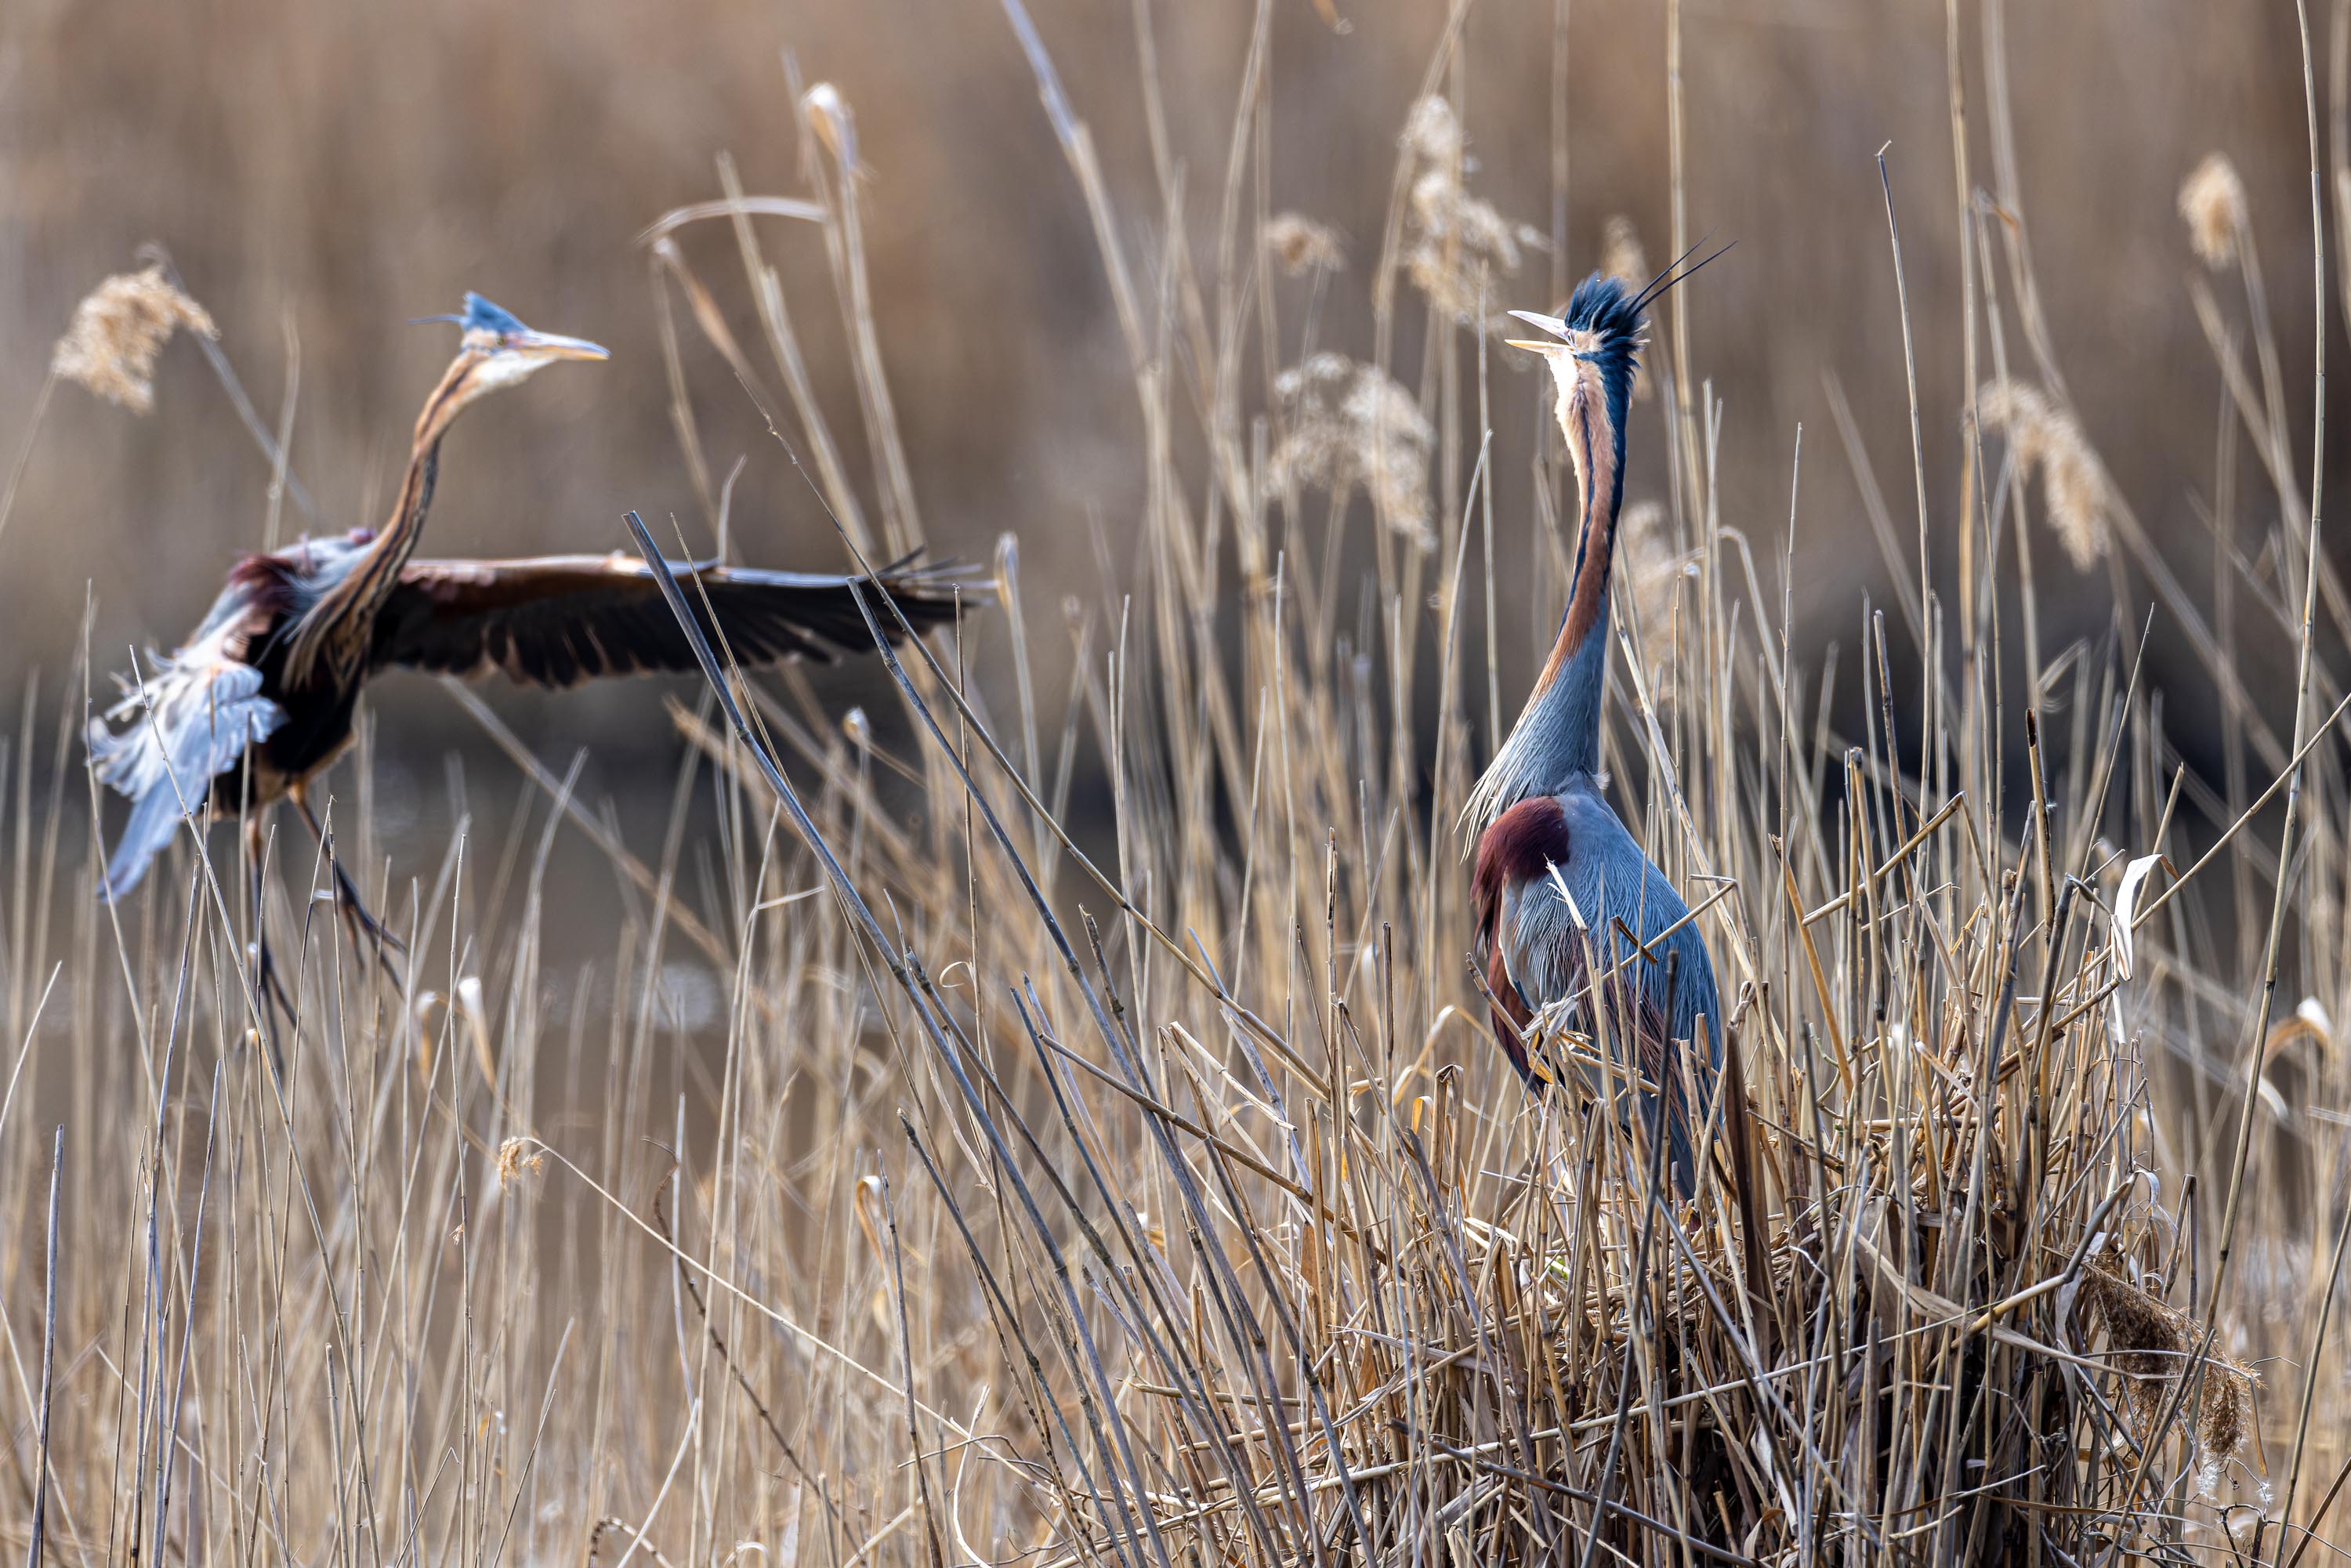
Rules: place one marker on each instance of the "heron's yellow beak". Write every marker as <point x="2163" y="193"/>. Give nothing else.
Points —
<point x="553" y="346"/>
<point x="1556" y="327"/>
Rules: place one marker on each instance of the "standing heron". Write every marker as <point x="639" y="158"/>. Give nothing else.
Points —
<point x="1559" y="884"/>
<point x="258" y="702"/>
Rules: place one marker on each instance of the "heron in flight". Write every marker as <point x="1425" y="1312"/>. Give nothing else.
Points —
<point x="1560" y="887"/>
<point x="258" y="701"/>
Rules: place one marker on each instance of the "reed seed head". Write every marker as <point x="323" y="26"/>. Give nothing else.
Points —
<point x="1345" y="424"/>
<point x="1621" y="254"/>
<point x="1458" y="242"/>
<point x="118" y="330"/>
<point x="2151" y="1343"/>
<point x="1299" y="244"/>
<point x="1654" y="569"/>
<point x="518" y="1157"/>
<point x="2213" y="203"/>
<point x="2046" y="436"/>
<point x="1433" y="132"/>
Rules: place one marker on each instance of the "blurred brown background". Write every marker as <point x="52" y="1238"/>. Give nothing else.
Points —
<point x="342" y="167"/>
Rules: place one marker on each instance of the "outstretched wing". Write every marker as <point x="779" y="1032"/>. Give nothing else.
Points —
<point x="194" y="721"/>
<point x="557" y="621"/>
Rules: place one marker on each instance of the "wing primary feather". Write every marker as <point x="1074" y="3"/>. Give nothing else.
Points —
<point x="195" y="723"/>
<point x="560" y="620"/>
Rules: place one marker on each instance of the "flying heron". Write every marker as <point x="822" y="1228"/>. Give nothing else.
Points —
<point x="1561" y="886"/>
<point x="258" y="701"/>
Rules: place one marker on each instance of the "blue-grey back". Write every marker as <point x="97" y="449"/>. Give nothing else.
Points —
<point x="1614" y="880"/>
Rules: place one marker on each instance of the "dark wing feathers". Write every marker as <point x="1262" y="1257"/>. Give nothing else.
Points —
<point x="557" y="621"/>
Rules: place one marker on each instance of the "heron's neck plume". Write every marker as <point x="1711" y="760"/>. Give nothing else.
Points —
<point x="1557" y="737"/>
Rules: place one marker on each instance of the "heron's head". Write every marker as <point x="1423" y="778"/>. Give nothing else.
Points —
<point x="1592" y="350"/>
<point x="496" y="351"/>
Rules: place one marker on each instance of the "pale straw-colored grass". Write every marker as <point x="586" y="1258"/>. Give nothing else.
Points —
<point x="1047" y="1184"/>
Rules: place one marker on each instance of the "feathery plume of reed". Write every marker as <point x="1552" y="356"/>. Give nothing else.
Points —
<point x="2073" y="484"/>
<point x="1299" y="244"/>
<point x="2212" y="204"/>
<point x="118" y="330"/>
<point x="1457" y="239"/>
<point x="1345" y="423"/>
<point x="1654" y="570"/>
<point x="2151" y="1343"/>
<point x="1621" y="254"/>
<point x="518" y="1157"/>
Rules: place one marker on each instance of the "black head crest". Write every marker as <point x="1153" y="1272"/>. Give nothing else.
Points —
<point x="479" y="314"/>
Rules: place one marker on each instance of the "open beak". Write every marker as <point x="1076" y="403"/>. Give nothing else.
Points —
<point x="1551" y="324"/>
<point x="553" y="346"/>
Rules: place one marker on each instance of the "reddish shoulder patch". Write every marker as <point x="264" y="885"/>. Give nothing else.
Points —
<point x="1523" y="841"/>
<point x="269" y="578"/>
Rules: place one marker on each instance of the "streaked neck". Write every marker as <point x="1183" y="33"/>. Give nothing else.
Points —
<point x="340" y="626"/>
<point x="1557" y="737"/>
<point x="401" y="530"/>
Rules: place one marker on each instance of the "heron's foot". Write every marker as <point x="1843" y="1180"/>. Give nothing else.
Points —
<point x="368" y="933"/>
<point x="276" y="1004"/>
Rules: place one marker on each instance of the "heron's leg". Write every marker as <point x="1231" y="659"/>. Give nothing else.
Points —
<point x="353" y="910"/>
<point x="268" y="988"/>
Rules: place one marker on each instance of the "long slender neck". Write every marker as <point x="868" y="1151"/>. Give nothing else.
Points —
<point x="397" y="540"/>
<point x="1557" y="737"/>
<point x="338" y="627"/>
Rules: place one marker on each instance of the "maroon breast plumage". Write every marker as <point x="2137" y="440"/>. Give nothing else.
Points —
<point x="1520" y="845"/>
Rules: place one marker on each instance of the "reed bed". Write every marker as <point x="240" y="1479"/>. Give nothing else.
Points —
<point x="1132" y="1181"/>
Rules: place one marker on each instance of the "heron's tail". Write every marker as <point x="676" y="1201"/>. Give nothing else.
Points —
<point x="192" y="724"/>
